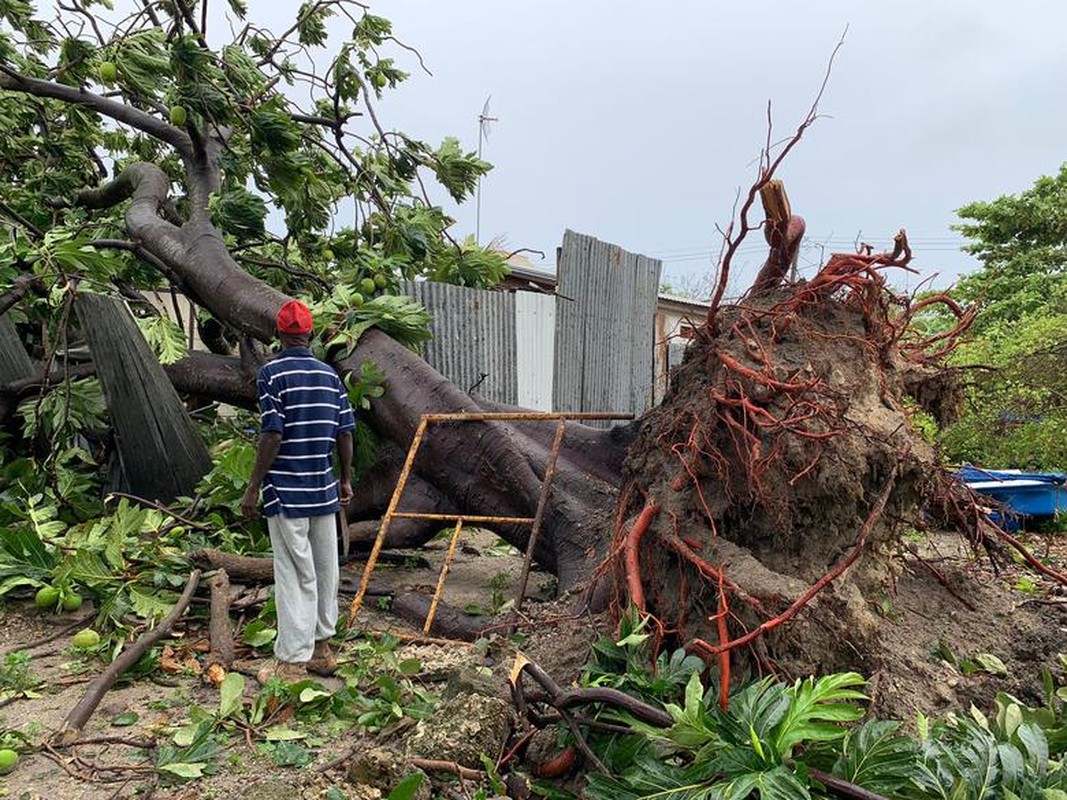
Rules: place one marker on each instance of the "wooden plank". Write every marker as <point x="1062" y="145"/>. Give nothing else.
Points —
<point x="161" y="453"/>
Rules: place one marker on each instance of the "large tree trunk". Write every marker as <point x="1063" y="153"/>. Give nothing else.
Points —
<point x="486" y="468"/>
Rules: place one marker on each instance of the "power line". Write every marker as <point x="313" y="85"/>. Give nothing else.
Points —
<point x="924" y="241"/>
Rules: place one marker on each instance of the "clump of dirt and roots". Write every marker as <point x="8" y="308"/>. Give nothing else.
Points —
<point x="779" y="474"/>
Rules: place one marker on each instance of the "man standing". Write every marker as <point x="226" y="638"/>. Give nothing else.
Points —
<point x="304" y="413"/>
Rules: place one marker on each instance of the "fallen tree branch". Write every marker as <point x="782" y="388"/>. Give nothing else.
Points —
<point x="560" y="699"/>
<point x="80" y="714"/>
<point x="843" y="788"/>
<point x="19" y="288"/>
<point x="160" y="507"/>
<point x="240" y="568"/>
<point x="220" y="634"/>
<point x="435" y="765"/>
<point x="448" y="622"/>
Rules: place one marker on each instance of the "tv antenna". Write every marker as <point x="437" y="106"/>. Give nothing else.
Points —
<point x="483" y="135"/>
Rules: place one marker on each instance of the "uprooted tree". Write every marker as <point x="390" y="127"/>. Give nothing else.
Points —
<point x="137" y="158"/>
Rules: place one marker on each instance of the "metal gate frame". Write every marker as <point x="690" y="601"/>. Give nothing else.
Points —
<point x="392" y="512"/>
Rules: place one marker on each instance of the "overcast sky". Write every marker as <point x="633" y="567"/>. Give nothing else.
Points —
<point x="637" y="122"/>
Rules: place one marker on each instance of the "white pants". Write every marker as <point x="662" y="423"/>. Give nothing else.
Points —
<point x="305" y="582"/>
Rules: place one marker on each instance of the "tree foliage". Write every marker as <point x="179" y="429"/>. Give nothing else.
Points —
<point x="1017" y="414"/>
<point x="158" y="150"/>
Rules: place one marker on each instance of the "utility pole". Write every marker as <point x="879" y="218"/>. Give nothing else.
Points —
<point x="483" y="134"/>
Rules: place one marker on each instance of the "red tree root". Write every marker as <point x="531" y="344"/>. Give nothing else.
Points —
<point x="1030" y="558"/>
<point x="724" y="639"/>
<point x="631" y="546"/>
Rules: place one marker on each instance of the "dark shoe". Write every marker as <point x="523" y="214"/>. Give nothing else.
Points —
<point x="284" y="671"/>
<point x="323" y="661"/>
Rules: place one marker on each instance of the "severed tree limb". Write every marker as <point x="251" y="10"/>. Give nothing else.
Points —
<point x="783" y="230"/>
<point x="242" y="568"/>
<point x="448" y="622"/>
<point x="843" y="788"/>
<point x="220" y="633"/>
<point x="80" y="714"/>
<point x="435" y="765"/>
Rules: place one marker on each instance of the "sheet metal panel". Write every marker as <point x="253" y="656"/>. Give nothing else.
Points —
<point x="474" y="337"/>
<point x="605" y="332"/>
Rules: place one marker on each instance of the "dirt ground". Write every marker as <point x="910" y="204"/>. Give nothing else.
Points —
<point x="947" y="605"/>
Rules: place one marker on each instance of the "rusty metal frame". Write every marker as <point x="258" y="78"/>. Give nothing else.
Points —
<point x="391" y="512"/>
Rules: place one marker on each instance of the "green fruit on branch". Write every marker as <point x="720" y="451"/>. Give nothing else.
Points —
<point x="178" y="115"/>
<point x="47" y="597"/>
<point x="381" y="281"/>
<point x="108" y="72"/>
<point x="380" y="80"/>
<point x="327" y="254"/>
<point x="8" y="759"/>
<point x="356" y="300"/>
<point x="72" y="601"/>
<point x="85" y="639"/>
<point x="368" y="286"/>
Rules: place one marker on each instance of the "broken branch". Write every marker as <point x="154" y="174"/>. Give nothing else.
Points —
<point x="80" y="714"/>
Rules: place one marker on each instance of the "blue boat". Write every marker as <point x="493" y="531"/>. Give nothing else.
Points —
<point x="1019" y="494"/>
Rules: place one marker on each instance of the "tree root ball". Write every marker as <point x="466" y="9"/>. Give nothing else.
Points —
<point x="784" y="446"/>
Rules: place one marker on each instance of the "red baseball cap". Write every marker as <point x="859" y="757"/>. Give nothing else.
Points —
<point x="294" y="318"/>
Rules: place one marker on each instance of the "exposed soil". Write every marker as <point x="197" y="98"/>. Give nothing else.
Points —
<point x="1025" y="629"/>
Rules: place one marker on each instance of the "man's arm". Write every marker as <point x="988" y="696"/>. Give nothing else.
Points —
<point x="344" y="451"/>
<point x="270" y="442"/>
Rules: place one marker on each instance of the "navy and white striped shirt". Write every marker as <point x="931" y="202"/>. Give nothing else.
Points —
<point x="304" y="400"/>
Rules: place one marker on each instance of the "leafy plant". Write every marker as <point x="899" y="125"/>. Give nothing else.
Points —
<point x="17" y="676"/>
<point x="627" y="663"/>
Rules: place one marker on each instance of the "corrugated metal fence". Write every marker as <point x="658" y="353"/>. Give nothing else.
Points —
<point x="473" y="341"/>
<point x="588" y="348"/>
<point x="604" y="327"/>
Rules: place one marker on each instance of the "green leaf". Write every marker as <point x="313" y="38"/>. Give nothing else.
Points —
<point x="186" y="735"/>
<point x="283" y="734"/>
<point x="166" y="339"/>
<point x="231" y="694"/>
<point x="876" y="757"/>
<point x="125" y="719"/>
<point x="240" y="213"/>
<point x="310" y="694"/>
<point x="407" y="788"/>
<point x="817" y="710"/>
<point x="775" y="784"/>
<point x="184" y="769"/>
<point x="632" y="640"/>
<point x="290" y="754"/>
<point x="151" y="603"/>
<point x="85" y="567"/>
<point x="991" y="664"/>
<point x="258" y="634"/>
